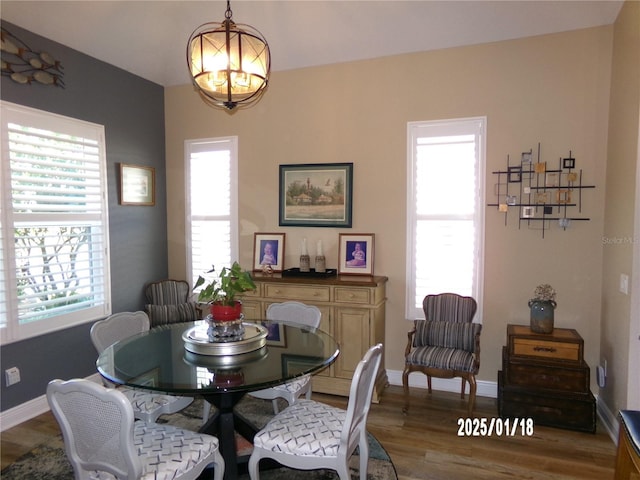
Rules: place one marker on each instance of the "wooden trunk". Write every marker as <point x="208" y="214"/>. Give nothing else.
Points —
<point x="544" y="377"/>
<point x="573" y="411"/>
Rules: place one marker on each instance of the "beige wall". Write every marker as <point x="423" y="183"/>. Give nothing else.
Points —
<point x="551" y="89"/>
<point x="621" y="208"/>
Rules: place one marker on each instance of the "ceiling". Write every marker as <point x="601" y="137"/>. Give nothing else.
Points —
<point x="148" y="38"/>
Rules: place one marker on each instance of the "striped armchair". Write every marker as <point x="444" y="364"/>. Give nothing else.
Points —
<point x="168" y="302"/>
<point x="445" y="345"/>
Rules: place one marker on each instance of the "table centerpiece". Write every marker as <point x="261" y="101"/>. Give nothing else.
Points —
<point x="225" y="318"/>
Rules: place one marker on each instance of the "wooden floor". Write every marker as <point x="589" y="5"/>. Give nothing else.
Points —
<point x="424" y="444"/>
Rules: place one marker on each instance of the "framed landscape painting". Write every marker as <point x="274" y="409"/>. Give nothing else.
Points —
<point x="316" y="195"/>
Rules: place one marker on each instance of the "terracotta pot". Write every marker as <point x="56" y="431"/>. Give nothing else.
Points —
<point x="226" y="313"/>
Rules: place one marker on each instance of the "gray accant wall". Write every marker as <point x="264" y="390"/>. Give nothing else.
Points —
<point x="132" y="112"/>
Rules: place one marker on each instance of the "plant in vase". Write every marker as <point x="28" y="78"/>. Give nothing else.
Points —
<point x="220" y="293"/>
<point x="542" y="307"/>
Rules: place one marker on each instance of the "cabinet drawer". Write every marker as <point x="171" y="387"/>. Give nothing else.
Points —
<point x="562" y="345"/>
<point x="545" y="375"/>
<point x="353" y="295"/>
<point x="297" y="292"/>
<point x="546" y="349"/>
<point x="561" y="410"/>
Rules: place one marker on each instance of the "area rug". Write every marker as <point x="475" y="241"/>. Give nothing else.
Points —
<point x="49" y="462"/>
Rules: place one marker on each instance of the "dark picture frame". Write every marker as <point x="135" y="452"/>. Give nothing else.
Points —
<point x="316" y="195"/>
<point x="356" y="254"/>
<point x="268" y="245"/>
<point x="276" y="336"/>
<point x="137" y="185"/>
<point x="296" y="364"/>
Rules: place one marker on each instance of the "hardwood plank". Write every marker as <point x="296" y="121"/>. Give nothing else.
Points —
<point x="424" y="444"/>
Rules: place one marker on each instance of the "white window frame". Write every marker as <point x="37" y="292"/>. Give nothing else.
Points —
<point x="229" y="144"/>
<point x="415" y="130"/>
<point x="11" y="330"/>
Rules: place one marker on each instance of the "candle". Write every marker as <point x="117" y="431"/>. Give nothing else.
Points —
<point x="303" y="248"/>
<point x="319" y="249"/>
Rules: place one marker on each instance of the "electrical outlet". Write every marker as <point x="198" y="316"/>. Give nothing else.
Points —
<point x="624" y="284"/>
<point x="12" y="376"/>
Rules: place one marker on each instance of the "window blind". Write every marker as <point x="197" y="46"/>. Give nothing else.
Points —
<point x="212" y="205"/>
<point x="55" y="214"/>
<point x="444" y="209"/>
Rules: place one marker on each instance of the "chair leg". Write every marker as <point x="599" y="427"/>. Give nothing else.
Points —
<point x="363" y="448"/>
<point x="405" y="388"/>
<point x="218" y="470"/>
<point x="254" y="463"/>
<point x="429" y="383"/>
<point x="206" y="409"/>
<point x="464" y="384"/>
<point x="472" y="394"/>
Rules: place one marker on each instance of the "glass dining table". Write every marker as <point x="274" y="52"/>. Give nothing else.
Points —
<point x="177" y="359"/>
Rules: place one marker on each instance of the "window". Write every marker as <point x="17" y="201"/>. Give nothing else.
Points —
<point x="53" y="223"/>
<point x="212" y="204"/>
<point x="445" y="199"/>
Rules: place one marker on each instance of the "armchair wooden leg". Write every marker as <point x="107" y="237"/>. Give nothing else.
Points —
<point x="405" y="387"/>
<point x="429" y="383"/>
<point x="464" y="384"/>
<point x="472" y="394"/>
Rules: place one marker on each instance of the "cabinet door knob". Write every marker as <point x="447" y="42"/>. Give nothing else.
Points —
<point x="277" y="291"/>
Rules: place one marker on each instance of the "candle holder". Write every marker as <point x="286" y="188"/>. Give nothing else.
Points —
<point x="321" y="265"/>
<point x="305" y="263"/>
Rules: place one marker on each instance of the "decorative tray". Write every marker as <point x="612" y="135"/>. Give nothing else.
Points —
<point x="295" y="272"/>
<point x="224" y="361"/>
<point x="196" y="340"/>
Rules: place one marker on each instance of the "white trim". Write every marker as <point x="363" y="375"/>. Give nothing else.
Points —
<point x="608" y="420"/>
<point x="30" y="409"/>
<point x="484" y="388"/>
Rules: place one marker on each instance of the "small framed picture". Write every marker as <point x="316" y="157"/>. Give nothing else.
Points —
<point x="569" y="162"/>
<point x="137" y="185"/>
<point x="275" y="333"/>
<point x="355" y="255"/>
<point x="268" y="250"/>
<point x="514" y="174"/>
<point x="528" y="212"/>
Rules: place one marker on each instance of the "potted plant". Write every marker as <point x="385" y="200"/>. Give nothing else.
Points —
<point x="221" y="292"/>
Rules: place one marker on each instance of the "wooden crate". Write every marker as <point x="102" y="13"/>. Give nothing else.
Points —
<point x="562" y="345"/>
<point x="570" y="411"/>
<point x="544" y="374"/>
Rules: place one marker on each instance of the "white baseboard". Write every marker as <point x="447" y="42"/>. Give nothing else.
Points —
<point x="30" y="409"/>
<point x="484" y="388"/>
<point x="609" y="420"/>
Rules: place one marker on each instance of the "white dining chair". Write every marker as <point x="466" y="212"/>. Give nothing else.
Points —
<point x="146" y="405"/>
<point x="309" y="435"/>
<point x="102" y="440"/>
<point x="300" y="314"/>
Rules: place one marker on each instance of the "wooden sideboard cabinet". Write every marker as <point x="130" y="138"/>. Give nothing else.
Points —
<point x="353" y="312"/>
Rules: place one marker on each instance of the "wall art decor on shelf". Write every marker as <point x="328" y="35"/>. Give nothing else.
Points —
<point x="539" y="193"/>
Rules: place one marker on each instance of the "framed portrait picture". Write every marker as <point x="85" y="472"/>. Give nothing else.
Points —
<point x="137" y="185"/>
<point x="316" y="195"/>
<point x="268" y="249"/>
<point x="355" y="255"/>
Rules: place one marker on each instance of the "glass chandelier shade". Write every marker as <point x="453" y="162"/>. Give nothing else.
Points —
<point x="229" y="63"/>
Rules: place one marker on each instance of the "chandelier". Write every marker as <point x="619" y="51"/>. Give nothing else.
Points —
<point x="229" y="63"/>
